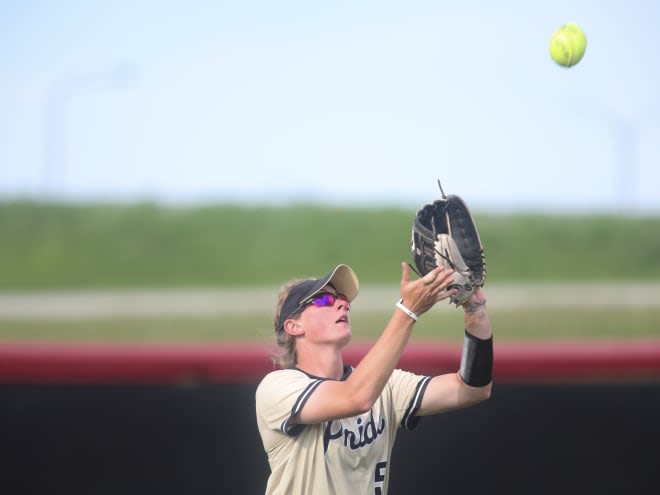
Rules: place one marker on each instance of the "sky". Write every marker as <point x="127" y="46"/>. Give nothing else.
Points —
<point x="345" y="102"/>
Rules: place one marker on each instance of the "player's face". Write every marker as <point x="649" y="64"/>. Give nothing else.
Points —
<point x="326" y="317"/>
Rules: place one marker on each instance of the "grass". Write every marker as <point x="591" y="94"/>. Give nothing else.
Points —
<point x="72" y="246"/>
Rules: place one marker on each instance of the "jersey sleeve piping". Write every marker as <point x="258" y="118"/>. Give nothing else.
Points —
<point x="410" y="419"/>
<point x="292" y="430"/>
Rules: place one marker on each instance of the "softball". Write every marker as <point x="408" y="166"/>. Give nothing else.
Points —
<point x="568" y="44"/>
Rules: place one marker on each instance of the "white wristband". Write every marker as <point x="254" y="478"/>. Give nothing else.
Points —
<point x="400" y="305"/>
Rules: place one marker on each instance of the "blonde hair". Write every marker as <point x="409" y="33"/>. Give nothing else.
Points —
<point x="286" y="356"/>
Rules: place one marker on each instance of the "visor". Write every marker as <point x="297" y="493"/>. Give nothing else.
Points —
<point x="342" y="278"/>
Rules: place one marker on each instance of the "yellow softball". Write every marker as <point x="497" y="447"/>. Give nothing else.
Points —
<point x="568" y="44"/>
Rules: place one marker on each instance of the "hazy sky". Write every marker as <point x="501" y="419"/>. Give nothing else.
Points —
<point x="341" y="102"/>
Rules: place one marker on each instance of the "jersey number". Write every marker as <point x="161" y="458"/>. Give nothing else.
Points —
<point x="379" y="477"/>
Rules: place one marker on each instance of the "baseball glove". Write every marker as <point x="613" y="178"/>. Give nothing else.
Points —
<point x="444" y="233"/>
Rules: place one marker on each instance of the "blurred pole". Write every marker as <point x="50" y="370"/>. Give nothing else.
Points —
<point x="54" y="136"/>
<point x="56" y="118"/>
<point x="625" y="161"/>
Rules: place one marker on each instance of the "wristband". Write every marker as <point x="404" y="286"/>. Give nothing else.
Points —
<point x="477" y="360"/>
<point x="400" y="305"/>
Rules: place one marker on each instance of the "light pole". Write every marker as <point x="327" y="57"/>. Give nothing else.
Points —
<point x="626" y="163"/>
<point x="55" y="118"/>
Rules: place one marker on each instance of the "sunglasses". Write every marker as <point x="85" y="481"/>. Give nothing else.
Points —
<point x="323" y="299"/>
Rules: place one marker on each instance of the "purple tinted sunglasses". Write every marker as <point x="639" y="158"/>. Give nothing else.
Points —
<point x="323" y="299"/>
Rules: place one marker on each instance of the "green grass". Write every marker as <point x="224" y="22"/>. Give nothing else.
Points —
<point x="51" y="246"/>
<point x="547" y="324"/>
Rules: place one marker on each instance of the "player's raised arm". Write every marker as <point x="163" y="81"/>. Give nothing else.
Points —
<point x="473" y="381"/>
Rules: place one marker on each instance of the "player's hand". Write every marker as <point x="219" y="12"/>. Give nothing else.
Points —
<point x="420" y="295"/>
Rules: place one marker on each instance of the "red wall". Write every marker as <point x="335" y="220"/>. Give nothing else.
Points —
<point x="247" y="363"/>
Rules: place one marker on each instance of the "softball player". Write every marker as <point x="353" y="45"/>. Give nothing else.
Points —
<point x="329" y="428"/>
